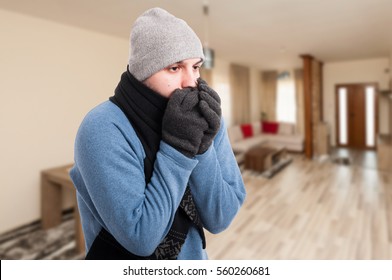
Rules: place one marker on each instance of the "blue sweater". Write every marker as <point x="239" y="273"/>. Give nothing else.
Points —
<point x="111" y="191"/>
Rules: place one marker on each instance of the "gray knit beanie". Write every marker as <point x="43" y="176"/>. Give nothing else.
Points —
<point x="159" y="39"/>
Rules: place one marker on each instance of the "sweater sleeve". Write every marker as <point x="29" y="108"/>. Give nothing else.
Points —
<point x="217" y="185"/>
<point x="109" y="159"/>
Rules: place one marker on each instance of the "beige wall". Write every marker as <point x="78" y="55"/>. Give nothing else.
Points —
<point x="372" y="70"/>
<point x="255" y="111"/>
<point x="50" y="76"/>
<point x="221" y="84"/>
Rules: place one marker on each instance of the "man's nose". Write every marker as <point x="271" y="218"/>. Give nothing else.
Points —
<point x="189" y="79"/>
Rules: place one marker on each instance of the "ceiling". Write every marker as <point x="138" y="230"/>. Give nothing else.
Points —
<point x="267" y="34"/>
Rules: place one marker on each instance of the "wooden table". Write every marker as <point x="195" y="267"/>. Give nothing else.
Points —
<point x="53" y="182"/>
<point x="262" y="157"/>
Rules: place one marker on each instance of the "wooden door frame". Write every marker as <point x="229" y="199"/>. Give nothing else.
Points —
<point x="337" y="120"/>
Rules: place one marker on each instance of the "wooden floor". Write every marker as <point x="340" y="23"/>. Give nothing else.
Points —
<point x="362" y="158"/>
<point x="311" y="210"/>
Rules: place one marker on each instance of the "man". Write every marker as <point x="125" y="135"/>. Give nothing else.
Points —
<point x="153" y="166"/>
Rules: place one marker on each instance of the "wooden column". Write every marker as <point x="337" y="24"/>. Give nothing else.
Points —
<point x="322" y="119"/>
<point x="307" y="88"/>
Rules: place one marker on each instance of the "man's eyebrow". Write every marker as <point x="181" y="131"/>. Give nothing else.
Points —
<point x="182" y="62"/>
<point x="200" y="61"/>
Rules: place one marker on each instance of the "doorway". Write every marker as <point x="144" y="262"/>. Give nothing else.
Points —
<point x="356" y="115"/>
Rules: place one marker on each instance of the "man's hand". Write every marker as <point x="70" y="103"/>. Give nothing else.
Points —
<point x="209" y="104"/>
<point x="183" y="125"/>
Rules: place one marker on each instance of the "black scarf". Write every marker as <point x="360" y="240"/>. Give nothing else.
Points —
<point x="144" y="109"/>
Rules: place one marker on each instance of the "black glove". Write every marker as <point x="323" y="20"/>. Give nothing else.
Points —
<point x="183" y="125"/>
<point x="209" y="103"/>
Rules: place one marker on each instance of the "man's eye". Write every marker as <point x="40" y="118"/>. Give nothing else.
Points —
<point x="174" y="68"/>
<point x="196" y="67"/>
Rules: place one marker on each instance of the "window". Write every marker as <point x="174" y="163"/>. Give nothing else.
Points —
<point x="343" y="116"/>
<point x="370" y="116"/>
<point x="285" y="103"/>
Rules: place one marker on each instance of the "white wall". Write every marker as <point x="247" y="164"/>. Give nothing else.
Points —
<point x="361" y="71"/>
<point x="50" y="76"/>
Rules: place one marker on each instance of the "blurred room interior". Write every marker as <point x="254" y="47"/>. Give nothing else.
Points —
<point x="313" y="64"/>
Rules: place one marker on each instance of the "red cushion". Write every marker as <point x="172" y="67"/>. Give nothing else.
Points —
<point x="247" y="130"/>
<point x="270" y="127"/>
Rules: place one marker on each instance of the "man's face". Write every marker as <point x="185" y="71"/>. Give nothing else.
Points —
<point x="180" y="75"/>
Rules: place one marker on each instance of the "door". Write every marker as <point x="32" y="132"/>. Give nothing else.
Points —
<point x="356" y="115"/>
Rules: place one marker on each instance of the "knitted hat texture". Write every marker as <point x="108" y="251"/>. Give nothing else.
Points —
<point x="159" y="39"/>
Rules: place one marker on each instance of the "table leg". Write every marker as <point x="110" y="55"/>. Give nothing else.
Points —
<point x="80" y="247"/>
<point x="50" y="203"/>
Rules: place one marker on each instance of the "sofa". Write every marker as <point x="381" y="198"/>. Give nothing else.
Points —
<point x="281" y="134"/>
